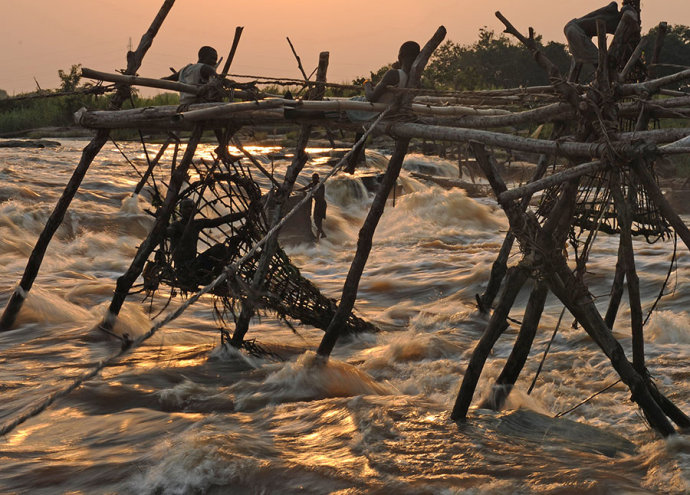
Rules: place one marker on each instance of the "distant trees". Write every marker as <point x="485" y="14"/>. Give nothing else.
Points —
<point x="497" y="61"/>
<point x="676" y="49"/>
<point x="70" y="80"/>
<point x="491" y="62"/>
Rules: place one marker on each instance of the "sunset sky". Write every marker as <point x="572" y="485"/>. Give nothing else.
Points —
<point x="38" y="37"/>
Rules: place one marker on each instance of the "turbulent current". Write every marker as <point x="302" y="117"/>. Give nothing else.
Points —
<point x="182" y="414"/>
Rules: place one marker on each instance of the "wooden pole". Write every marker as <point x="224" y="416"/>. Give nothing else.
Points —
<point x="500" y="265"/>
<point x="233" y="49"/>
<point x="364" y="245"/>
<point x="279" y="207"/>
<point x="625" y="223"/>
<point x="575" y="296"/>
<point x="515" y="279"/>
<point x="518" y="356"/>
<point x="90" y="152"/>
<point x="152" y="165"/>
<point x="616" y="288"/>
<point x="366" y="233"/>
<point x="124" y="283"/>
<point x="299" y="60"/>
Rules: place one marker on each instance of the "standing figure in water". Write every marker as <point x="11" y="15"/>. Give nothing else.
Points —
<point x="320" y="204"/>
<point x="184" y="236"/>
<point x="396" y="77"/>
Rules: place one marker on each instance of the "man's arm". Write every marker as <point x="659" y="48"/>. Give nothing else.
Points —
<point x="391" y="78"/>
<point x="208" y="223"/>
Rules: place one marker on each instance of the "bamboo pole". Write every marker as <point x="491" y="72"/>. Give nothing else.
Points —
<point x="366" y="233"/>
<point x="89" y="153"/>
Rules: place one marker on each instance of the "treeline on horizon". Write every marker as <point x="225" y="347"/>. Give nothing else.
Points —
<point x="492" y="62"/>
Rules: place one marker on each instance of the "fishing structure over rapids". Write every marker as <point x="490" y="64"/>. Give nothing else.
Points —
<point x="607" y="183"/>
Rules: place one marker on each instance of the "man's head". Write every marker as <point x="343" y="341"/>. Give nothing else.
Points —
<point x="408" y="52"/>
<point x="208" y="55"/>
<point x="187" y="208"/>
<point x="314" y="178"/>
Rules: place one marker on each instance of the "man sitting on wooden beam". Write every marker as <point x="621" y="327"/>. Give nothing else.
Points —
<point x="396" y="77"/>
<point x="579" y="33"/>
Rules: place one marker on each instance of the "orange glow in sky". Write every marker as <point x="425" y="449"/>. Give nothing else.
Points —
<point x="38" y="37"/>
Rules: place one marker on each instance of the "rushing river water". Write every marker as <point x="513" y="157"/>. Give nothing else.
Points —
<point x="181" y="414"/>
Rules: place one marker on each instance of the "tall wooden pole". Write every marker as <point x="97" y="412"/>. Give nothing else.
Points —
<point x="366" y="233"/>
<point x="518" y="356"/>
<point x="515" y="279"/>
<point x="125" y="282"/>
<point x="91" y="150"/>
<point x="279" y="208"/>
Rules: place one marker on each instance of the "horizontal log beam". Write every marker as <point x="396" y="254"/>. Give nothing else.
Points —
<point x="140" y="81"/>
<point x="551" y="180"/>
<point x="653" y="86"/>
<point x="229" y="109"/>
<point x="441" y="133"/>
<point x="149" y="82"/>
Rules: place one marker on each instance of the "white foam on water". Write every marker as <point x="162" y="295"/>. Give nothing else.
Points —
<point x="309" y="378"/>
<point x="430" y="165"/>
<point x="182" y="394"/>
<point x="436" y="212"/>
<point x="669" y="327"/>
<point x="668" y="464"/>
<point x="42" y="306"/>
